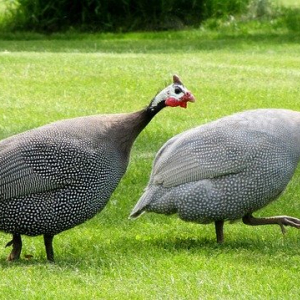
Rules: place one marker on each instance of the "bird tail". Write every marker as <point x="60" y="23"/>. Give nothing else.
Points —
<point x="136" y="213"/>
<point x="141" y="205"/>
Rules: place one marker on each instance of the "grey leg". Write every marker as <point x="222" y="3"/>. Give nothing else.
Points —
<point x="279" y="220"/>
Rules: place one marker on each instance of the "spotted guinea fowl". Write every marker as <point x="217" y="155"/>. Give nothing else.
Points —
<point x="57" y="176"/>
<point x="226" y="170"/>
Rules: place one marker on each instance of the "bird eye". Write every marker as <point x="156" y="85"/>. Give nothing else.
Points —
<point x="177" y="90"/>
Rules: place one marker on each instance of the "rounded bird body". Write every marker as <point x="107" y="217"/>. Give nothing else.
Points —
<point x="65" y="175"/>
<point x="57" y="176"/>
<point x="226" y="169"/>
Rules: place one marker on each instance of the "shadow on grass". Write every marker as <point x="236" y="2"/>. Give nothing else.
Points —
<point x="105" y="257"/>
<point x="129" y="241"/>
<point x="179" y="244"/>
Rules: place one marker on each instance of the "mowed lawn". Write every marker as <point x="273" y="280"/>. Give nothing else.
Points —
<point x="154" y="257"/>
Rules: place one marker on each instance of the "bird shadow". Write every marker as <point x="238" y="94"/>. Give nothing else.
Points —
<point x="101" y="255"/>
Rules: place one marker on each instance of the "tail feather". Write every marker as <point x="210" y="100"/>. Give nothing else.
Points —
<point x="141" y="205"/>
<point x="135" y="214"/>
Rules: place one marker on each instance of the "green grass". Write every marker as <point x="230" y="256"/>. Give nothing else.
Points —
<point x="44" y="79"/>
<point x="289" y="3"/>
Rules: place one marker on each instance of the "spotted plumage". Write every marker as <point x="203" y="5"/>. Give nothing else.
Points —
<point x="57" y="176"/>
<point x="226" y="169"/>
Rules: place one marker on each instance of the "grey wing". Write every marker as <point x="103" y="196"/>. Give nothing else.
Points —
<point x="29" y="166"/>
<point x="199" y="154"/>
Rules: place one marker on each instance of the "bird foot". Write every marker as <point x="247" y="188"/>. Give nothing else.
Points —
<point x="9" y="244"/>
<point x="288" y="221"/>
<point x="16" y="242"/>
<point x="280" y="220"/>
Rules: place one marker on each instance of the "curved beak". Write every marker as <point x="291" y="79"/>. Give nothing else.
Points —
<point x="188" y="97"/>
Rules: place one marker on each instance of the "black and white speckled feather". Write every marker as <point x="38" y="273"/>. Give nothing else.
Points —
<point x="226" y="169"/>
<point x="57" y="176"/>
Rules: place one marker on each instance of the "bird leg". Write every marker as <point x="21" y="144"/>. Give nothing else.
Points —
<point x="280" y="220"/>
<point x="219" y="231"/>
<point x="49" y="248"/>
<point x="16" y="242"/>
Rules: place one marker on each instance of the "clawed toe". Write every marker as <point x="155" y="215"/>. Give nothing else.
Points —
<point x="280" y="220"/>
<point x="294" y="222"/>
<point x="288" y="221"/>
<point x="283" y="230"/>
<point x="9" y="244"/>
<point x="16" y="242"/>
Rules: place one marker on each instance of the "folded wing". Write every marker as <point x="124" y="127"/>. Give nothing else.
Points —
<point x="203" y="153"/>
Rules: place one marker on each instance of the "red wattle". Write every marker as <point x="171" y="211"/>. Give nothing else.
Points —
<point x="172" y="102"/>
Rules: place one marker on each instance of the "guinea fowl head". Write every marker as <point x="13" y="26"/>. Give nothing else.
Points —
<point x="173" y="95"/>
<point x="126" y="127"/>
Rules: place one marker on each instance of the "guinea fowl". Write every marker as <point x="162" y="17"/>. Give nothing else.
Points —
<point x="57" y="176"/>
<point x="226" y="170"/>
